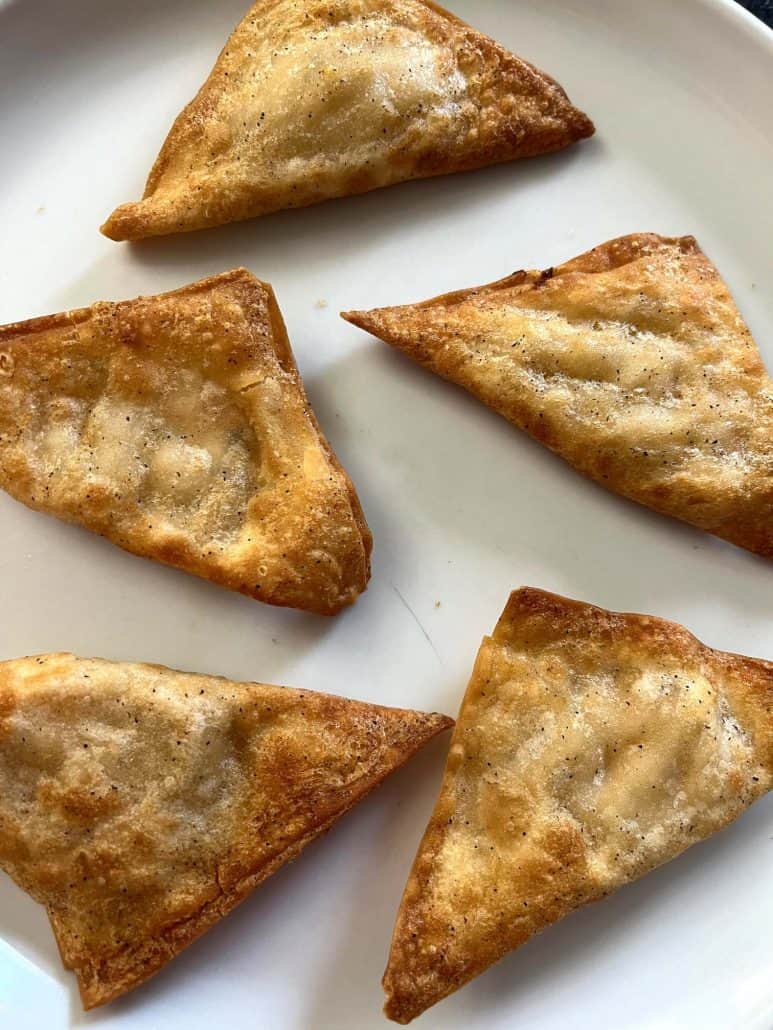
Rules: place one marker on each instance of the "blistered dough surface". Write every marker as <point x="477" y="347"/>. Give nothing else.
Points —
<point x="310" y="101"/>
<point x="632" y="362"/>
<point x="187" y="454"/>
<point x="178" y="427"/>
<point x="591" y="747"/>
<point x="139" y="805"/>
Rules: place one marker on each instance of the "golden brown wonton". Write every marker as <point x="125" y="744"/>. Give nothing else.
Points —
<point x="178" y="427"/>
<point x="590" y="748"/>
<point x="631" y="362"/>
<point x="140" y="805"/>
<point x="310" y="101"/>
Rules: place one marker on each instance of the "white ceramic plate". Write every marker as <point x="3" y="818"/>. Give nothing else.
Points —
<point x="463" y="507"/>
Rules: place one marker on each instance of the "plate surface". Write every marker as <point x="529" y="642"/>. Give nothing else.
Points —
<point x="463" y="508"/>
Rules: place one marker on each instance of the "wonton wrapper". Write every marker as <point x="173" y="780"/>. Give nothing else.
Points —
<point x="310" y="101"/>
<point x="177" y="426"/>
<point x="631" y="362"/>
<point x="590" y="748"/>
<point x="140" y="805"/>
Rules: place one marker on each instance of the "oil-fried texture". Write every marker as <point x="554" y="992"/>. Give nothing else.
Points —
<point x="312" y="100"/>
<point x="591" y="747"/>
<point x="140" y="805"/>
<point x="632" y="362"/>
<point x="178" y="427"/>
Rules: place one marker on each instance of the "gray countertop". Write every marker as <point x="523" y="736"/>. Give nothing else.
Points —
<point x="762" y="8"/>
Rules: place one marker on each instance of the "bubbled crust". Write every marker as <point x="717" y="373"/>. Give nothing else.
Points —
<point x="590" y="748"/>
<point x="140" y="805"/>
<point x="632" y="362"/>
<point x="313" y="100"/>
<point x="177" y="426"/>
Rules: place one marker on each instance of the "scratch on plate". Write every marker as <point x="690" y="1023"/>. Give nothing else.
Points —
<point x="418" y="622"/>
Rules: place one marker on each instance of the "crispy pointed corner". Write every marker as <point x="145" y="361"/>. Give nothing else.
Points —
<point x="631" y="361"/>
<point x="126" y="223"/>
<point x="140" y="805"/>
<point x="178" y="427"/>
<point x="292" y="113"/>
<point x="591" y="747"/>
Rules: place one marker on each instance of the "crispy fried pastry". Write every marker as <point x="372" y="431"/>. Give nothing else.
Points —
<point x="177" y="426"/>
<point x="310" y="101"/>
<point x="632" y="362"/>
<point x="591" y="747"/>
<point x="140" y="805"/>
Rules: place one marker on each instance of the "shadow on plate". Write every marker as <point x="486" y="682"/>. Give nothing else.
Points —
<point x="173" y="611"/>
<point x="310" y="235"/>
<point x="360" y="941"/>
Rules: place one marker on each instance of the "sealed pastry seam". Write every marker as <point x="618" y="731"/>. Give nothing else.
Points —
<point x="178" y="427"/>
<point x="308" y="102"/>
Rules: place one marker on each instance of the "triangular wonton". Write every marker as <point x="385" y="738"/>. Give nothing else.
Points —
<point x="631" y="362"/>
<point x="590" y="748"/>
<point x="310" y="101"/>
<point x="140" y="805"/>
<point x="177" y="426"/>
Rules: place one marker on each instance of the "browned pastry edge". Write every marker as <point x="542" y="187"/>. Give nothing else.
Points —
<point x="119" y="974"/>
<point x="288" y="361"/>
<point x="603" y="258"/>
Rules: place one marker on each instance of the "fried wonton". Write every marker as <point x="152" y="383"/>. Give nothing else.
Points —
<point x="590" y="748"/>
<point x="140" y="805"/>
<point x="310" y="101"/>
<point x="178" y="427"/>
<point x="631" y="362"/>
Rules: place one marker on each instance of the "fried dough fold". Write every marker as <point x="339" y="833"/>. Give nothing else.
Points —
<point x="177" y="426"/>
<point x="631" y="362"/>
<point x="140" y="804"/>
<point x="310" y="101"/>
<point x="591" y="747"/>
